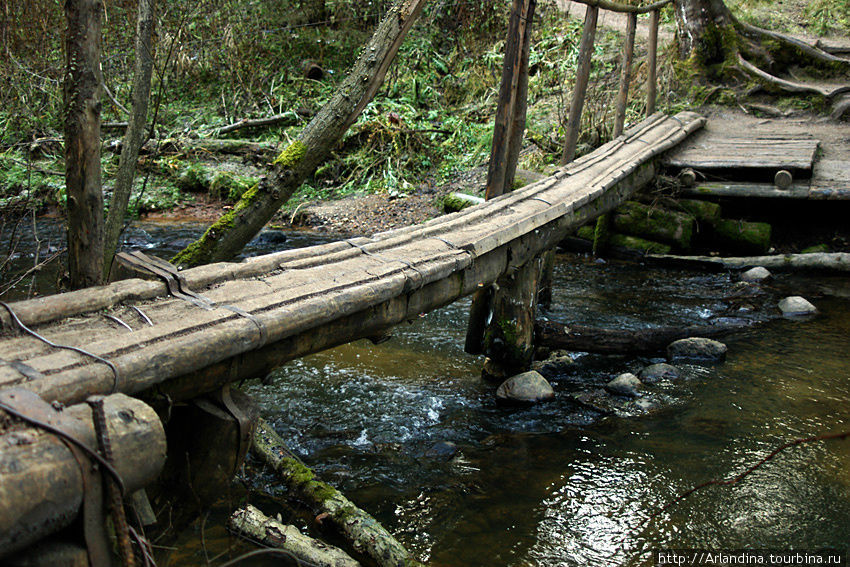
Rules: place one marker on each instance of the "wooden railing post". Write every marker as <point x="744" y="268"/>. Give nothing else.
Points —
<point x="625" y="75"/>
<point x="580" y="89"/>
<point x="651" y="63"/>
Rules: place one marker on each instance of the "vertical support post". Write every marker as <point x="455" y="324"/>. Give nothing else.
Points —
<point x="625" y="75"/>
<point x="544" y="290"/>
<point x="509" y="339"/>
<point x="652" y="64"/>
<point x="585" y="57"/>
<point x="510" y="113"/>
<point x="507" y="143"/>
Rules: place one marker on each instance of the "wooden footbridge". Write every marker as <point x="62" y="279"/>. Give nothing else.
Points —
<point x="75" y="367"/>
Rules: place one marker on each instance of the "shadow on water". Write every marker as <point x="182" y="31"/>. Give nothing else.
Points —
<point x="409" y="431"/>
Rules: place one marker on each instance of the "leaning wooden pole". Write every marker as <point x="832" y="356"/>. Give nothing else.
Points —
<point x="652" y="64"/>
<point x="625" y="75"/>
<point x="585" y="57"/>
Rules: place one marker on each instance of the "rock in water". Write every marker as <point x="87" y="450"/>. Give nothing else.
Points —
<point x="656" y="373"/>
<point x="626" y="384"/>
<point x="696" y="350"/>
<point x="795" y="305"/>
<point x="442" y="451"/>
<point x="757" y="274"/>
<point x="526" y="388"/>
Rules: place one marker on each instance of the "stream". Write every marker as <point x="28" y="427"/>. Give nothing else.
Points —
<point x="410" y="432"/>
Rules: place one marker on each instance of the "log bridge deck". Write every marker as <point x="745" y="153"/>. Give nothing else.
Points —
<point x="259" y="313"/>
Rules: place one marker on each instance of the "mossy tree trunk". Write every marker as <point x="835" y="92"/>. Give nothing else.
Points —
<point x="82" y="90"/>
<point x="720" y="46"/>
<point x="227" y="236"/>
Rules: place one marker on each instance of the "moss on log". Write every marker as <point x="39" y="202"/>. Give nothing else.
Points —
<point x="653" y="223"/>
<point x="705" y="212"/>
<point x="744" y="236"/>
<point x="454" y="202"/>
<point x="629" y="242"/>
<point x="365" y="534"/>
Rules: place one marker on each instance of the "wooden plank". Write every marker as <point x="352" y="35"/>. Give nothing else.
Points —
<point x="798" y="190"/>
<point x="735" y="153"/>
<point x="391" y="277"/>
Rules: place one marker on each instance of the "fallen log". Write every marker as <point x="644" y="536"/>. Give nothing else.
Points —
<point x="654" y="223"/>
<point x="288" y="118"/>
<point x="617" y="341"/>
<point x="822" y="261"/>
<point x="41" y="484"/>
<point x="250" y="523"/>
<point x="742" y="235"/>
<point x="361" y="530"/>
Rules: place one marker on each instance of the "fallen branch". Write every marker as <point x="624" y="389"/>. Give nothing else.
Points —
<point x="616" y="341"/>
<point x="288" y="118"/>
<point x="253" y="525"/>
<point x="749" y="471"/>
<point x="826" y="261"/>
<point x="361" y="530"/>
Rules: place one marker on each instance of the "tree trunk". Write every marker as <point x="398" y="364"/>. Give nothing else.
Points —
<point x="699" y="28"/>
<point x="135" y="131"/>
<point x="82" y="142"/>
<point x="235" y="229"/>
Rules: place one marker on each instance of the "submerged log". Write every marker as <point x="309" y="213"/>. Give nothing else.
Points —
<point x="41" y="486"/>
<point x="617" y="341"/>
<point x="362" y="531"/>
<point x="252" y="524"/>
<point x="742" y="235"/>
<point x="821" y="261"/>
<point x="655" y="224"/>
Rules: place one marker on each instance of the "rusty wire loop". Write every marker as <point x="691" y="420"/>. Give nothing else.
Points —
<point x="78" y="350"/>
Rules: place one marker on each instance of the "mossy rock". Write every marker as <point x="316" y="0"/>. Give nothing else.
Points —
<point x="194" y="179"/>
<point x="743" y="236"/>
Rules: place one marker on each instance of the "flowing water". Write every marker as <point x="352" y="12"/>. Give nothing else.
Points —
<point x="558" y="483"/>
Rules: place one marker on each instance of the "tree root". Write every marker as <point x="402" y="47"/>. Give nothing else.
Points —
<point x="787" y="41"/>
<point x="792" y="87"/>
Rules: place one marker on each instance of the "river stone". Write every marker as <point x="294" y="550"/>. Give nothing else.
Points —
<point x="696" y="349"/>
<point x="442" y="451"/>
<point x="662" y="372"/>
<point x="626" y="384"/>
<point x="528" y="387"/>
<point x="757" y="274"/>
<point x="796" y="305"/>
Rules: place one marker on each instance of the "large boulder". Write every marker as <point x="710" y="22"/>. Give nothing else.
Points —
<point x="626" y="384"/>
<point x="696" y="350"/>
<point x="795" y="306"/>
<point x="526" y="388"/>
<point x="662" y="372"/>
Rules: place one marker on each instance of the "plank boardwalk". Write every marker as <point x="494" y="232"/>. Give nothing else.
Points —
<point x="291" y="303"/>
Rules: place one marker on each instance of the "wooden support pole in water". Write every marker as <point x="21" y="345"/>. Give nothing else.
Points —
<point x="585" y="57"/>
<point x="207" y="442"/>
<point x="509" y="338"/>
<point x="507" y="141"/>
<point x="652" y="64"/>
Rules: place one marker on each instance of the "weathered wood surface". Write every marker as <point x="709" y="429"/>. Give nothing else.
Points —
<point x="41" y="486"/>
<point x="310" y="299"/>
<point x="255" y="526"/>
<point x="716" y="151"/>
<point x="822" y="261"/>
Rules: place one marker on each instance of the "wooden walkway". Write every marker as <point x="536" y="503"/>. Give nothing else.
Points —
<point x="270" y="309"/>
<point x="739" y="156"/>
